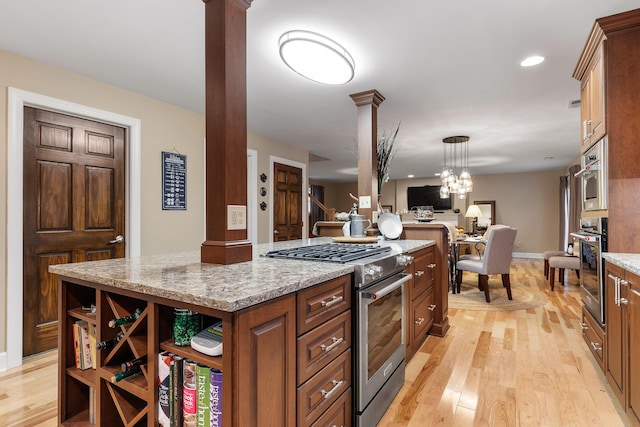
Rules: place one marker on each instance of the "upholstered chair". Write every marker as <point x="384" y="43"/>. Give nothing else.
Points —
<point x="480" y="247"/>
<point x="548" y="254"/>
<point x="495" y="260"/>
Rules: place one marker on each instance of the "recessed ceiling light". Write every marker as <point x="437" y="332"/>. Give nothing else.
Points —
<point x="316" y="57"/>
<point x="531" y="61"/>
<point x="548" y="158"/>
<point x="410" y="176"/>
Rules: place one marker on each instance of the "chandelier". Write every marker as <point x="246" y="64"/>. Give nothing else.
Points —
<point x="455" y="175"/>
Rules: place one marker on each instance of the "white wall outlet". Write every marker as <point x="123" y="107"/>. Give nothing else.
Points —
<point x="374" y="217"/>
<point x="236" y="217"/>
<point x="364" y="202"/>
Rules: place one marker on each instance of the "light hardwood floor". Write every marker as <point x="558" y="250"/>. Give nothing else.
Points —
<point x="506" y="368"/>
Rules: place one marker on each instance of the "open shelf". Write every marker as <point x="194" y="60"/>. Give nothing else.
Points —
<point x="86" y="376"/>
<point x="190" y="353"/>
<point x="80" y="314"/>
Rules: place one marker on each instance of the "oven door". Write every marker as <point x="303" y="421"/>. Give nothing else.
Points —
<point x="591" y="283"/>
<point x="381" y="344"/>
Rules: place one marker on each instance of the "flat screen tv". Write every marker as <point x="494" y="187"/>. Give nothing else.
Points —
<point x="428" y="195"/>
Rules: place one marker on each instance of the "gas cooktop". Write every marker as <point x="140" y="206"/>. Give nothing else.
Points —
<point x="330" y="252"/>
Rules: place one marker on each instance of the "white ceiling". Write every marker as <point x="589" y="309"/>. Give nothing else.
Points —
<point x="445" y="68"/>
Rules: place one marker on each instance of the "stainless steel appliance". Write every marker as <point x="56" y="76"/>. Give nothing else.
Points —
<point x="592" y="240"/>
<point x="594" y="177"/>
<point x="378" y="319"/>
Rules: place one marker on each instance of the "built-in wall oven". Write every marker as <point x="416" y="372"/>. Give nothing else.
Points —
<point x="594" y="177"/>
<point x="592" y="241"/>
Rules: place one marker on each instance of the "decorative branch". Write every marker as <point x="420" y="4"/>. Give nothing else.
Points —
<point x="386" y="150"/>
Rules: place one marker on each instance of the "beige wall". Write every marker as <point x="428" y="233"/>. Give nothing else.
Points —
<point x="526" y="201"/>
<point x="267" y="148"/>
<point x="164" y="127"/>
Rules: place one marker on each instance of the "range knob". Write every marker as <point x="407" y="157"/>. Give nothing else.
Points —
<point x="373" y="271"/>
<point x="403" y="260"/>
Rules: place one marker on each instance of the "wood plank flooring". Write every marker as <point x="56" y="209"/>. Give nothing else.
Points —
<point x="505" y="368"/>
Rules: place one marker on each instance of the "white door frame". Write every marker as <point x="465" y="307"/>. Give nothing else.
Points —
<point x="17" y="100"/>
<point x="305" y="219"/>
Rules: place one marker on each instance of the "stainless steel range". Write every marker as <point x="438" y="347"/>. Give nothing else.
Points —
<point x="379" y="324"/>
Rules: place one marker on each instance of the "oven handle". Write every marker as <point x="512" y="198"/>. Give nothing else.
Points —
<point x="388" y="289"/>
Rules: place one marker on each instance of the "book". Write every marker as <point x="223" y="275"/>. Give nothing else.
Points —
<point x="215" y="398"/>
<point x="203" y="411"/>
<point x="189" y="399"/>
<point x="92" y="344"/>
<point x="177" y="390"/>
<point x="76" y="343"/>
<point x="84" y="344"/>
<point x="164" y="361"/>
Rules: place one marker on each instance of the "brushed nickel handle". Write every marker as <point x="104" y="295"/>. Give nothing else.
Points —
<point x="584" y="326"/>
<point x="419" y="273"/>
<point x="432" y="307"/>
<point x="119" y="239"/>
<point x="334" y="300"/>
<point x="624" y="301"/>
<point x="596" y="346"/>
<point x="419" y="321"/>
<point x="336" y="386"/>
<point x="432" y="266"/>
<point x="336" y="342"/>
<point x="275" y="231"/>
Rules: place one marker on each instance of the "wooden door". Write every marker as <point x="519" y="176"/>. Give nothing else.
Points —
<point x="74" y="207"/>
<point x="616" y="322"/>
<point x="287" y="203"/>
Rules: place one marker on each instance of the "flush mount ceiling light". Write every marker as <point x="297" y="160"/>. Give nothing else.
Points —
<point x="316" y="57"/>
<point x="531" y="61"/>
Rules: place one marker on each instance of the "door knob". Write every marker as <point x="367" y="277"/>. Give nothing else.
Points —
<point x="275" y="231"/>
<point x="119" y="239"/>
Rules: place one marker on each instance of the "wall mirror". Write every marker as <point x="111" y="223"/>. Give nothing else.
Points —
<point x="488" y="209"/>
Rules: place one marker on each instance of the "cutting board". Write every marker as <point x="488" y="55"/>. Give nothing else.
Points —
<point x="349" y="239"/>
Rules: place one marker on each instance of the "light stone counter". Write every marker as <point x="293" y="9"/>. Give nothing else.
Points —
<point x="182" y="277"/>
<point x="630" y="262"/>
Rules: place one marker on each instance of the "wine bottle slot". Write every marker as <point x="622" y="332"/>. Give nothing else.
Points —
<point x="102" y="345"/>
<point x="114" y="323"/>
<point x="127" y="366"/>
<point x="121" y="375"/>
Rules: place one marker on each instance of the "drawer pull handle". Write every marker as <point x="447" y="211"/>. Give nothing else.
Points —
<point x="623" y="301"/>
<point x="336" y="342"/>
<point x="584" y="326"/>
<point x="432" y="307"/>
<point x="432" y="266"/>
<point x="596" y="346"/>
<point x="419" y="273"/>
<point x="336" y="387"/>
<point x="419" y="321"/>
<point x="334" y="300"/>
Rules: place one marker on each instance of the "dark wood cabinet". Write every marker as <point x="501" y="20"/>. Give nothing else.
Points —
<point x="623" y="338"/>
<point x="419" y="300"/>
<point x="263" y="346"/>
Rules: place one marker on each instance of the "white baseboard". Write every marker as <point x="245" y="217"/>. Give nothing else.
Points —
<point x="527" y="255"/>
<point x="3" y="361"/>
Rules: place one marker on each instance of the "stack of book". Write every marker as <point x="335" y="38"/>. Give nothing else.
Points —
<point x="84" y="344"/>
<point x="189" y="393"/>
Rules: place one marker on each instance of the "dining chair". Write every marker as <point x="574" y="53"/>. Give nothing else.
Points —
<point x="495" y="260"/>
<point x="485" y="236"/>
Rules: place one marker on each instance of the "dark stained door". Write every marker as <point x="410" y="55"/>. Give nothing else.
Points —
<point x="287" y="209"/>
<point x="74" y="207"/>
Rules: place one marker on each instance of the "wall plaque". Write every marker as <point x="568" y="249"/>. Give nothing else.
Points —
<point x="174" y="181"/>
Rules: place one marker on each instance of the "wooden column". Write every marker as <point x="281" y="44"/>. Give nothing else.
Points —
<point x="367" y="103"/>
<point x="226" y="129"/>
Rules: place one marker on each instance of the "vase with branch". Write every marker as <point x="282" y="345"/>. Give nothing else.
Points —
<point x="386" y="150"/>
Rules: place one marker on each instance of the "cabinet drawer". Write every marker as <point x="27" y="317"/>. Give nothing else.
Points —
<point x="320" y="303"/>
<point x="593" y="336"/>
<point x="422" y="315"/>
<point x="424" y="272"/>
<point x="321" y="345"/>
<point x="339" y="414"/>
<point x="324" y="388"/>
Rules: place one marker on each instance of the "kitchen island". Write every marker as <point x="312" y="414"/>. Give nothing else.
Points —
<point x="270" y="309"/>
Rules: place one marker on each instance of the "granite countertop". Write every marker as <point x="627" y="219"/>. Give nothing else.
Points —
<point x="182" y="277"/>
<point x="630" y="262"/>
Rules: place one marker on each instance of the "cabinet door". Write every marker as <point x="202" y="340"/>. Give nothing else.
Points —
<point x="596" y="104"/>
<point x="633" y="308"/>
<point x="585" y="111"/>
<point x="266" y="392"/>
<point x="614" y="334"/>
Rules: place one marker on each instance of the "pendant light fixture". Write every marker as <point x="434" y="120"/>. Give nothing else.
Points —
<point x="316" y="57"/>
<point x="455" y="176"/>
